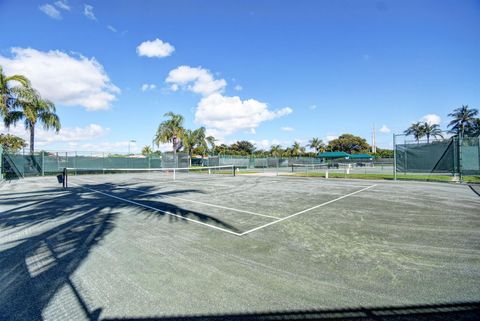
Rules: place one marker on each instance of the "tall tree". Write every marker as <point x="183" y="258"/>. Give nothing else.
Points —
<point x="221" y="149"/>
<point x="243" y="147"/>
<point x="416" y="130"/>
<point x="317" y="144"/>
<point x="211" y="141"/>
<point x="195" y="140"/>
<point x="170" y="131"/>
<point x="463" y="119"/>
<point x="31" y="108"/>
<point x="146" y="150"/>
<point x="276" y="150"/>
<point x="474" y="129"/>
<point x="11" y="143"/>
<point x="297" y="149"/>
<point x="348" y="143"/>
<point x="431" y="130"/>
<point x="6" y="85"/>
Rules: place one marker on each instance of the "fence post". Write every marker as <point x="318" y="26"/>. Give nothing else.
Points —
<point x="460" y="142"/>
<point x="42" y="155"/>
<point x="394" y="158"/>
<point x="1" y="162"/>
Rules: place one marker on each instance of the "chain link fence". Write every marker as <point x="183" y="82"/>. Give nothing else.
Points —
<point x="453" y="158"/>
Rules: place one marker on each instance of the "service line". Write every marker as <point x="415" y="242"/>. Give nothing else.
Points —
<point x="158" y="210"/>
<point x="307" y="210"/>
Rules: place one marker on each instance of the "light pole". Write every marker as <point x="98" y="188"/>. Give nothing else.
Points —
<point x="130" y="141"/>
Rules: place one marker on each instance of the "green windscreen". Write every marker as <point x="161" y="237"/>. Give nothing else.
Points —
<point x="434" y="157"/>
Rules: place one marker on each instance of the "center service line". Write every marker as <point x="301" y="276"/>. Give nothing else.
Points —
<point x="307" y="210"/>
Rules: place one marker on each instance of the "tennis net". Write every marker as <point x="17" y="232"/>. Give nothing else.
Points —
<point x="308" y="167"/>
<point x="133" y="175"/>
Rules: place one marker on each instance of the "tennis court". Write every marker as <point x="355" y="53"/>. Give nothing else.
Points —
<point x="148" y="244"/>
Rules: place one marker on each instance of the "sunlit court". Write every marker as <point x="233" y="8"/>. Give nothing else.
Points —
<point x="143" y="244"/>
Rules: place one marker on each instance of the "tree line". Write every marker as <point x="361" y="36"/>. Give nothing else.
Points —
<point x="464" y="122"/>
<point x="196" y="142"/>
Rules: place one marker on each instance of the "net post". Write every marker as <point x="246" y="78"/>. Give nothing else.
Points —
<point x="394" y="158"/>
<point x="65" y="178"/>
<point x="174" y="171"/>
<point x="234" y="170"/>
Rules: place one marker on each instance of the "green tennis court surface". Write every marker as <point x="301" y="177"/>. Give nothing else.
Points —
<point x="131" y="248"/>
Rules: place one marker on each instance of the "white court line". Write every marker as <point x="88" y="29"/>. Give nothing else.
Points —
<point x="304" y="211"/>
<point x="159" y="210"/>
<point x="197" y="202"/>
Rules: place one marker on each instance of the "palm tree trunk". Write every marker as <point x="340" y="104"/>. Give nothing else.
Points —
<point x="428" y="138"/>
<point x="32" y="138"/>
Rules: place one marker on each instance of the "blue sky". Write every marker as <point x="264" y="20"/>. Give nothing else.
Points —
<point x="264" y="71"/>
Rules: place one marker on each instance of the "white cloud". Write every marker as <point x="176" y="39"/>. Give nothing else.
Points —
<point x="287" y="129"/>
<point x="195" y="79"/>
<point x="67" y="135"/>
<point x="312" y="107"/>
<point x="112" y="29"/>
<point x="238" y="88"/>
<point x="384" y="129"/>
<point x="146" y="87"/>
<point x="88" y="12"/>
<point x="62" y="4"/>
<point x="62" y="78"/>
<point x="155" y="48"/>
<point x="50" y="11"/>
<point x="331" y="137"/>
<point x="432" y="119"/>
<point x="224" y="115"/>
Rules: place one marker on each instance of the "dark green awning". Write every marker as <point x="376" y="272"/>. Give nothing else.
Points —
<point x="333" y="155"/>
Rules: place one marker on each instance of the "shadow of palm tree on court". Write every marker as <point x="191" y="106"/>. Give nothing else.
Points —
<point x="46" y="237"/>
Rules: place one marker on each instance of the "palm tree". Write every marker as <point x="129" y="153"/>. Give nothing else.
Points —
<point x="6" y="97"/>
<point x="296" y="149"/>
<point x="197" y="140"/>
<point x="475" y="128"/>
<point x="287" y="152"/>
<point x="146" y="150"/>
<point x="211" y="141"/>
<point x="32" y="109"/>
<point x="416" y="130"/>
<point x="463" y="119"/>
<point x="170" y="131"/>
<point x="431" y="130"/>
<point x="276" y="150"/>
<point x="316" y="144"/>
<point x="201" y="140"/>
